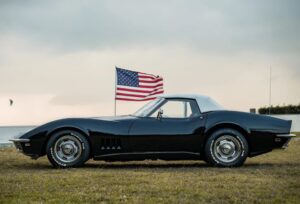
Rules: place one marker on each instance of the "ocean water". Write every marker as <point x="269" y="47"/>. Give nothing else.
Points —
<point x="8" y="132"/>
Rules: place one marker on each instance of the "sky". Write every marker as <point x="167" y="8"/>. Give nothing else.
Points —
<point x="57" y="58"/>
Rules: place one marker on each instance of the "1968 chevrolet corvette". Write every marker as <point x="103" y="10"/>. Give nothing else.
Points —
<point x="172" y="127"/>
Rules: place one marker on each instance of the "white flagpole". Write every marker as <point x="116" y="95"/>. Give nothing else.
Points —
<point x="116" y="78"/>
<point x="270" y="90"/>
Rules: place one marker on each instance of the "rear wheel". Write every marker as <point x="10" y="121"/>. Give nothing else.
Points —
<point x="68" y="148"/>
<point x="226" y="148"/>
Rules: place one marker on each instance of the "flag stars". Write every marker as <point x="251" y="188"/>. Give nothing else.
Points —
<point x="127" y="78"/>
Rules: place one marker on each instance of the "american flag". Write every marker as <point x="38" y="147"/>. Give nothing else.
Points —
<point x="137" y="86"/>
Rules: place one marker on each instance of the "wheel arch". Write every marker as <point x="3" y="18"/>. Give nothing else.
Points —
<point x="51" y="132"/>
<point x="244" y="131"/>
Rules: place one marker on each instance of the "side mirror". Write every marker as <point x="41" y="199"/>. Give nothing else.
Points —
<point x="159" y="114"/>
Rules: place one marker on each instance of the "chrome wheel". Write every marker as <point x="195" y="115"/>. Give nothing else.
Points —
<point x="67" y="148"/>
<point x="227" y="148"/>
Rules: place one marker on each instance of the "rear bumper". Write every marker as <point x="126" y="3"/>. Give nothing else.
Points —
<point x="283" y="140"/>
<point x="286" y="135"/>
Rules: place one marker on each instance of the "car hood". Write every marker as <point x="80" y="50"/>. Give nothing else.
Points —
<point x="107" y="125"/>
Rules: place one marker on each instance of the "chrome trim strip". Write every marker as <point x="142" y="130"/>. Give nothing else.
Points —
<point x="133" y="153"/>
<point x="19" y="140"/>
<point x="286" y="135"/>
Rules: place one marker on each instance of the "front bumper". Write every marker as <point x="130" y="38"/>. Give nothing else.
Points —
<point x="19" y="140"/>
<point x="27" y="147"/>
<point x="21" y="143"/>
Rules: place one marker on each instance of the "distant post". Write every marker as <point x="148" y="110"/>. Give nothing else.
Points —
<point x="253" y="110"/>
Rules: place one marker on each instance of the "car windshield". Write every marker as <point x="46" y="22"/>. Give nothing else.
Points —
<point x="146" y="109"/>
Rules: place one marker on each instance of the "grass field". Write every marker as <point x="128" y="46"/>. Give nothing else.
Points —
<point x="270" y="178"/>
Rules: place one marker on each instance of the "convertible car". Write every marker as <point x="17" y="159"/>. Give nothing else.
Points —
<point x="171" y="127"/>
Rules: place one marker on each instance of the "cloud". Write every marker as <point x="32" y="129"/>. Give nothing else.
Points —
<point x="229" y="26"/>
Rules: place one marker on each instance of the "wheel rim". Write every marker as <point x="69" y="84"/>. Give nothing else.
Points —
<point x="227" y="148"/>
<point x="67" y="149"/>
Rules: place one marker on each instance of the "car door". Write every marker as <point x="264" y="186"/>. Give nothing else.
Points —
<point x="178" y="128"/>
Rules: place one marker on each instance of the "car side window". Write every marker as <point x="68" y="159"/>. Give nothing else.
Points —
<point x="178" y="108"/>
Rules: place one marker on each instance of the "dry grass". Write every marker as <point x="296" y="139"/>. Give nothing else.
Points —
<point x="270" y="178"/>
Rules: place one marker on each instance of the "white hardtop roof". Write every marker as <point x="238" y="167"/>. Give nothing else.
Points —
<point x="205" y="102"/>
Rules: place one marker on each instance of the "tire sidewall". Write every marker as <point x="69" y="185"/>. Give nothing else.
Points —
<point x="210" y="144"/>
<point x="78" y="162"/>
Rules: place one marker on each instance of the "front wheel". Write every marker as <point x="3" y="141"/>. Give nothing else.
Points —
<point x="68" y="148"/>
<point x="226" y="148"/>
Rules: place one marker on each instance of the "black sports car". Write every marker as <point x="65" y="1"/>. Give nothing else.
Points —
<point x="172" y="127"/>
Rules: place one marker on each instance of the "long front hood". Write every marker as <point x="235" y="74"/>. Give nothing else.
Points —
<point x="106" y="125"/>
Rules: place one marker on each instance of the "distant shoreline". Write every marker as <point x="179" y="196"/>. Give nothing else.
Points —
<point x="10" y="126"/>
<point x="10" y="131"/>
<point x="8" y="144"/>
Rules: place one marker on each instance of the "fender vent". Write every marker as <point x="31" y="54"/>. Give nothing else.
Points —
<point x="111" y="143"/>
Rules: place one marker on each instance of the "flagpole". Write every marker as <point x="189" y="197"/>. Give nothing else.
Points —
<point x="270" y="90"/>
<point x="115" y="110"/>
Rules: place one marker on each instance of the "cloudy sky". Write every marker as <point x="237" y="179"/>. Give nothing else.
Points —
<point x="57" y="58"/>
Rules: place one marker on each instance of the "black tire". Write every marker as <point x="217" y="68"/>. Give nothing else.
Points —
<point x="226" y="148"/>
<point x="67" y="148"/>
